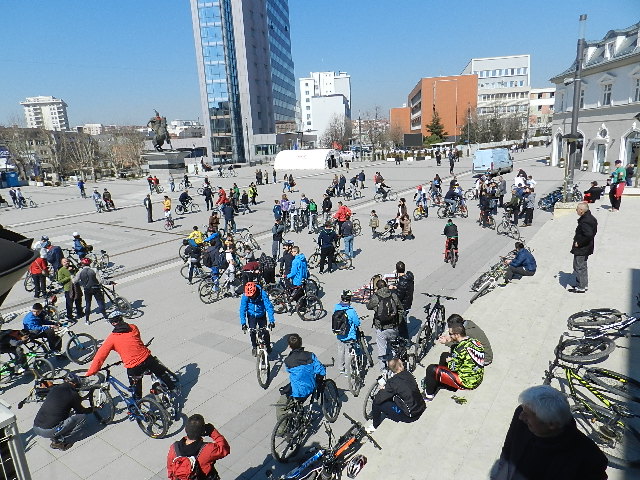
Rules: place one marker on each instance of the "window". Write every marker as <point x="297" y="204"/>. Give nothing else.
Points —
<point x="308" y="123"/>
<point x="582" y="98"/>
<point x="308" y="107"/>
<point x="539" y="108"/>
<point x="308" y="116"/>
<point x="306" y="92"/>
<point x="606" y="94"/>
<point x="308" y="99"/>
<point x="636" y="89"/>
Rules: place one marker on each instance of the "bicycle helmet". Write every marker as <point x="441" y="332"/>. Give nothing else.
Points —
<point x="85" y="261"/>
<point x="44" y="238"/>
<point x="287" y="243"/>
<point x="115" y="316"/>
<point x="355" y="465"/>
<point x="75" y="234"/>
<point x="72" y="378"/>
<point x="419" y="187"/>
<point x="250" y="289"/>
<point x="346" y="295"/>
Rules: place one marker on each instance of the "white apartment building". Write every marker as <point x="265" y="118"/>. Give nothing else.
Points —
<point x="185" y="129"/>
<point x="541" y="101"/>
<point x="319" y="85"/>
<point x="49" y="113"/>
<point x="609" y="106"/>
<point x="93" y="128"/>
<point x="503" y="83"/>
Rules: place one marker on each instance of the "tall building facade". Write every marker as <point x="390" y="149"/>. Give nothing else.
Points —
<point x="324" y="96"/>
<point x="504" y="83"/>
<point x="541" y="101"/>
<point x="245" y="70"/>
<point x="49" y="113"/>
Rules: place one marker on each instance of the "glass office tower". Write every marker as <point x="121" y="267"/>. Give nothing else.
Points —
<point x="245" y="69"/>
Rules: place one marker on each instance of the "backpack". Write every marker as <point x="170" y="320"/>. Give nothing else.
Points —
<point x="313" y="207"/>
<point x="267" y="263"/>
<point x="207" y="260"/>
<point x="220" y="260"/>
<point x="340" y="322"/>
<point x="386" y="312"/>
<point x="185" y="468"/>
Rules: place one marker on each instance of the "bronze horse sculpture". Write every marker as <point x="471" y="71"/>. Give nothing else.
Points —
<point x="159" y="126"/>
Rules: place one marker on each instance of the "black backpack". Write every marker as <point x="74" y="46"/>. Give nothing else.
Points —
<point x="267" y="263"/>
<point x="386" y="312"/>
<point x="340" y="322"/>
<point x="220" y="260"/>
<point x="206" y="259"/>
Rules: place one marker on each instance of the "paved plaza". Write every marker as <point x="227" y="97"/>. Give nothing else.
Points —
<point x="206" y="346"/>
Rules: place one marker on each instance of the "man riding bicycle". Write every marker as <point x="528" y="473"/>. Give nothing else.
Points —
<point x="451" y="232"/>
<point x="136" y="357"/>
<point x="185" y="199"/>
<point x="97" y="199"/>
<point x="108" y="201"/>
<point x="345" y="323"/>
<point x="255" y="307"/>
<point x="420" y="198"/>
<point x="452" y="198"/>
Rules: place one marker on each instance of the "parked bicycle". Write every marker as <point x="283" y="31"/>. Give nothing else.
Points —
<point x="35" y="367"/>
<point x="433" y="326"/>
<point x="117" y="301"/>
<point x="80" y="347"/>
<point x="308" y="307"/>
<point x="507" y="227"/>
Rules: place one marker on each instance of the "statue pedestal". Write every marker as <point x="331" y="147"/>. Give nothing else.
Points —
<point x="168" y="161"/>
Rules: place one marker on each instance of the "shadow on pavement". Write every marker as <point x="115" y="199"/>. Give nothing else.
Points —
<point x="565" y="278"/>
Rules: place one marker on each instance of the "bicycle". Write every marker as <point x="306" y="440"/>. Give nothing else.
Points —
<point x="169" y="224"/>
<point x="199" y="272"/>
<point x="103" y="261"/>
<point x="169" y="399"/>
<point x="341" y="259"/>
<point x="420" y="212"/>
<point x="151" y="416"/>
<point x="189" y="207"/>
<point x="352" y="194"/>
<point x="381" y="197"/>
<point x="609" y="422"/>
<point x="247" y="237"/>
<point x="118" y="302"/>
<point x="183" y="185"/>
<point x="486" y="220"/>
<point x="308" y="307"/>
<point x="434" y="326"/>
<point x="292" y="429"/>
<point x="35" y="365"/>
<point x="451" y="253"/>
<point x="471" y="194"/>
<point x="358" y="358"/>
<point x="330" y="462"/>
<point x="507" y="227"/>
<point x="444" y="211"/>
<point x="213" y="289"/>
<point x="489" y="280"/>
<point x="263" y="367"/>
<point x="80" y="348"/>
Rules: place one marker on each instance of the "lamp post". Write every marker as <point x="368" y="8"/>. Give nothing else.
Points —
<point x="573" y="137"/>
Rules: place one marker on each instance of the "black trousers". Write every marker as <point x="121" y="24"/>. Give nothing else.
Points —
<point x="528" y="216"/>
<point x="327" y="254"/>
<point x="54" y="341"/>
<point x="208" y="201"/>
<point x="70" y="300"/>
<point x="40" y="284"/>
<point x="149" y="216"/>
<point x="258" y="322"/>
<point x="90" y="293"/>
<point x="153" y="365"/>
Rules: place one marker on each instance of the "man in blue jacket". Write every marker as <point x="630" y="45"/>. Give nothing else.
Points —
<point x="79" y="245"/>
<point x="255" y="306"/>
<point x="353" y="322"/>
<point x="523" y="264"/>
<point x="38" y="326"/>
<point x="299" y="269"/>
<point x="303" y="368"/>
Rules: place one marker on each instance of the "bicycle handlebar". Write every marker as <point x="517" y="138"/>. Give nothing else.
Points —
<point x="439" y="296"/>
<point x="362" y="429"/>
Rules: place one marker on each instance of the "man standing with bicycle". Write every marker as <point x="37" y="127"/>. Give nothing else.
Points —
<point x="327" y="242"/>
<point x="136" y="357"/>
<point x="404" y="289"/>
<point x="91" y="285"/>
<point x="255" y="307"/>
<point x="386" y="317"/>
<point x="345" y="323"/>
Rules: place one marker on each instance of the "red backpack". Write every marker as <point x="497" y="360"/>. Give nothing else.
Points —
<point x="186" y="468"/>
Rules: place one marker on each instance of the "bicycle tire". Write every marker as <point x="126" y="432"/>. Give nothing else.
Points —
<point x="279" y="304"/>
<point x="343" y="261"/>
<point x="354" y="376"/>
<point x="289" y="429"/>
<point x="378" y="197"/>
<point x="411" y="362"/>
<point x="365" y="348"/>
<point x="618" y="440"/>
<point x="122" y="304"/>
<point x="181" y="253"/>
<point x="309" y="308"/>
<point x="263" y="369"/>
<point x="200" y="191"/>
<point x="81" y="348"/>
<point x="593" y="318"/>
<point x="330" y="401"/>
<point x="154" y="422"/>
<point x="442" y="211"/>
<point x="254" y="243"/>
<point x="41" y="368"/>
<point x="391" y="195"/>
<point x="514" y="232"/>
<point x="180" y="210"/>
<point x="367" y="406"/>
<point x="314" y="260"/>
<point x="104" y="407"/>
<point x="585" y="350"/>
<point x="424" y="341"/>
<point x="469" y="194"/>
<point x="453" y="258"/>
<point x="482" y="290"/>
<point x="357" y="228"/>
<point x="32" y="204"/>
<point x="194" y="208"/>
<point x="207" y="293"/>
<point x="29" y="285"/>
<point x="502" y="228"/>
<point x="168" y="225"/>
<point x="416" y="214"/>
<point x="104" y="261"/>
<point x="311" y="287"/>
<point x="615" y="383"/>
<point x="464" y="211"/>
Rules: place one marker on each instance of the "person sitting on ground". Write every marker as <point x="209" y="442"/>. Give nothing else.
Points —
<point x="594" y="193"/>
<point x="38" y="326"/>
<point x="523" y="264"/>
<point x="54" y="421"/>
<point x="399" y="399"/>
<point x="255" y="307"/>
<point x="460" y="368"/>
<point x="543" y="442"/>
<point x="473" y="331"/>
<point x="193" y="446"/>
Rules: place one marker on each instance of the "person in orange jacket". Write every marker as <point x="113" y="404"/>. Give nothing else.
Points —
<point x="222" y="196"/>
<point x="342" y="214"/>
<point x="39" y="270"/>
<point x="136" y="357"/>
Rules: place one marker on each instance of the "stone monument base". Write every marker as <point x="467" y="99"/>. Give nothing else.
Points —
<point x="168" y="161"/>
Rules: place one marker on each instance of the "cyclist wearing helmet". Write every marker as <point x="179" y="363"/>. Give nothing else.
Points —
<point x="136" y="357"/>
<point x="54" y="421"/>
<point x="91" y="285"/>
<point x="451" y="232"/>
<point x="255" y="306"/>
<point x="79" y="246"/>
<point x="345" y="319"/>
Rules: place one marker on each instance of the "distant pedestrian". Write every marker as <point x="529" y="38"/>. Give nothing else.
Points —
<point x="274" y="175"/>
<point x="618" y="182"/>
<point x="208" y="197"/>
<point x="21" y="200"/>
<point x="277" y="231"/>
<point x="244" y="200"/>
<point x="361" y="178"/>
<point x="583" y="243"/>
<point x="150" y="182"/>
<point x="347" y="235"/>
<point x="83" y="193"/>
<point x="149" y="206"/>
<point x="265" y="175"/>
<point x="374" y="223"/>
<point x="452" y="160"/>
<point x="438" y="157"/>
<point x="156" y="184"/>
<point x="630" y="171"/>
<point x="229" y="221"/>
<point x="172" y="183"/>
<point x="14" y="196"/>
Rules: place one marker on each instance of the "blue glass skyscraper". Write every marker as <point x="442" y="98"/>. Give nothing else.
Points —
<point x="245" y="69"/>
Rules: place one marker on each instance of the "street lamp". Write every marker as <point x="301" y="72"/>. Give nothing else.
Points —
<point x="572" y="138"/>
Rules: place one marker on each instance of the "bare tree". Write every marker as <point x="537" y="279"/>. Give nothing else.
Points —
<point x="126" y="149"/>
<point x="26" y="146"/>
<point x="377" y="129"/>
<point x="80" y="152"/>
<point x="338" y="132"/>
<point x="396" y="135"/>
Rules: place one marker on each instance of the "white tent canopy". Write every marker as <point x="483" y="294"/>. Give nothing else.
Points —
<point x="304" y="159"/>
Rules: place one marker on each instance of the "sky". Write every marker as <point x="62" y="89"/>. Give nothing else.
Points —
<point x="116" y="65"/>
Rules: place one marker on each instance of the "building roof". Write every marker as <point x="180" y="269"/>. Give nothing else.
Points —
<point x="595" y="50"/>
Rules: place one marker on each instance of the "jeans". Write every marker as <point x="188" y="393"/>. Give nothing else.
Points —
<point x="275" y="249"/>
<point x="391" y="411"/>
<point x="66" y="431"/>
<point x="192" y="268"/>
<point x="452" y="204"/>
<point x="348" y="245"/>
<point x="403" y="328"/>
<point x="89" y="293"/>
<point x="313" y="220"/>
<point x="383" y="339"/>
<point x="53" y="340"/>
<point x="517" y="271"/>
<point x="208" y="201"/>
<point x="69" y="300"/>
<point x="580" y="270"/>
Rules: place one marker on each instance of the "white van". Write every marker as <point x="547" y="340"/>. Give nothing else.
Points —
<point x="492" y="160"/>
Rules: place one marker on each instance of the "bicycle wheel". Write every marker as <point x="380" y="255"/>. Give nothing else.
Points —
<point x="152" y="418"/>
<point x="330" y="401"/>
<point x="208" y="293"/>
<point x="343" y="261"/>
<point x="514" y="232"/>
<point x="424" y="341"/>
<point x="81" y="348"/>
<point x="411" y="362"/>
<point x="615" y="383"/>
<point x="314" y="260"/>
<point x="309" y="308"/>
<point x="263" y="369"/>
<point x="311" y="287"/>
<point x="32" y="204"/>
<point x="502" y="228"/>
<point x="180" y="210"/>
<point x="365" y="348"/>
<point x="469" y="194"/>
<point x="103" y="262"/>
<point x="194" y="208"/>
<point x="464" y="211"/>
<point x="279" y="303"/>
<point x="585" y="350"/>
<point x="122" y="305"/>
<point x="417" y="214"/>
<point x="480" y="281"/>
<point x="40" y="368"/>
<point x="354" y="375"/>
<point x="184" y="271"/>
<point x="367" y="406"/>
<point x="29" y="286"/>
<point x="357" y="228"/>
<point x="597" y="317"/>
<point x="618" y="439"/>
<point x="200" y="191"/>
<point x="442" y="211"/>
<point x="253" y="242"/>
<point x="104" y="407"/>
<point x="391" y="195"/>
<point x="482" y="290"/>
<point x="181" y="253"/>
<point x="453" y="258"/>
<point x="286" y="438"/>
<point x="378" y="197"/>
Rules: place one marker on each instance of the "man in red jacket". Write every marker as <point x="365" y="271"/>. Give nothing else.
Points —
<point x="136" y="357"/>
<point x="222" y="196"/>
<point x="39" y="270"/>
<point x="205" y="453"/>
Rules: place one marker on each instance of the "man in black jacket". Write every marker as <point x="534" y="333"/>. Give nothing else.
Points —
<point x="582" y="247"/>
<point x="327" y="241"/>
<point x="53" y="419"/>
<point x="544" y="442"/>
<point x="399" y="398"/>
<point x="404" y="289"/>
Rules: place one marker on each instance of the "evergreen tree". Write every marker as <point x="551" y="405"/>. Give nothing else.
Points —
<point x="436" y="128"/>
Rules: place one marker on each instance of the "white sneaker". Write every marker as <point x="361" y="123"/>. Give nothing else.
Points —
<point x="370" y="428"/>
